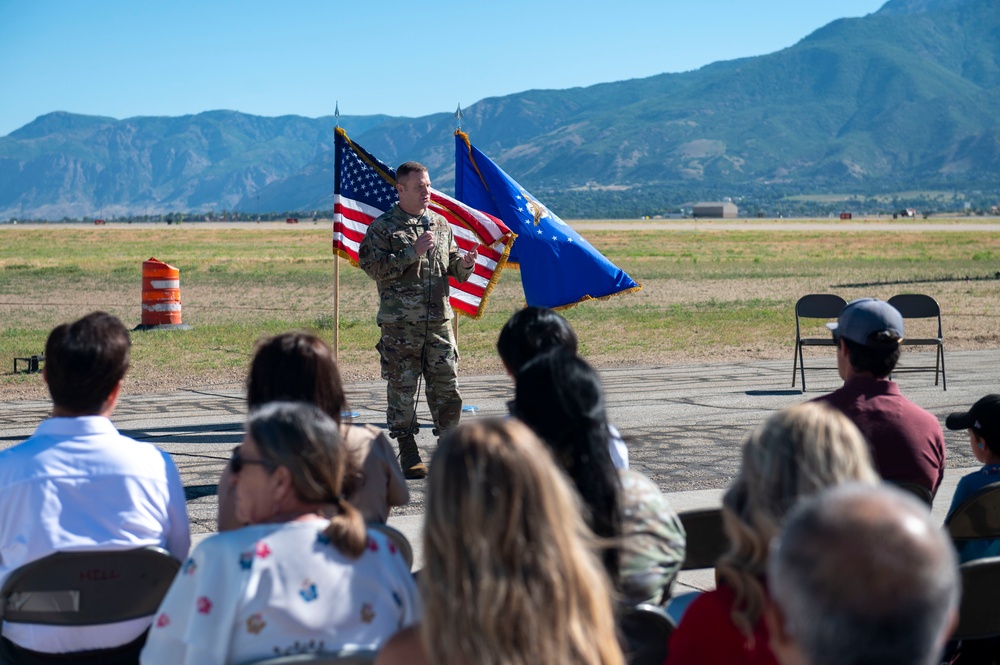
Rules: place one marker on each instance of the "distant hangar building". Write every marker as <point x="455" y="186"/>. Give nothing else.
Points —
<point x="717" y="209"/>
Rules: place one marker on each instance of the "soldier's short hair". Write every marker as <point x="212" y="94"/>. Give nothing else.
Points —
<point x="406" y="168"/>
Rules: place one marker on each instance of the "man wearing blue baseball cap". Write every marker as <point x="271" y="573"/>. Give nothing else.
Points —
<point x="906" y="441"/>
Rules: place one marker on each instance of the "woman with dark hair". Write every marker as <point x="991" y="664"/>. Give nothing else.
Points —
<point x="294" y="581"/>
<point x="296" y="367"/>
<point x="299" y="367"/>
<point x="532" y="331"/>
<point x="560" y="397"/>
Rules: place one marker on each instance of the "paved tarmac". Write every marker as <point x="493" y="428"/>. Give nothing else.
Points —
<point x="683" y="424"/>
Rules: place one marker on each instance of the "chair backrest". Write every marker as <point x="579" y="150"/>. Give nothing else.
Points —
<point x="818" y="306"/>
<point x="646" y="629"/>
<point x="398" y="538"/>
<point x="917" y="306"/>
<point x="977" y="517"/>
<point x="342" y="657"/>
<point x="919" y="491"/>
<point x="88" y="588"/>
<point x="705" y="538"/>
<point x="977" y="615"/>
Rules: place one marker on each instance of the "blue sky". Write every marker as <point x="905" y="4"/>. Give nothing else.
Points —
<point x="123" y="58"/>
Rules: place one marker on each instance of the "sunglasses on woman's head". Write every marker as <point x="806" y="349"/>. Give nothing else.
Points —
<point x="237" y="462"/>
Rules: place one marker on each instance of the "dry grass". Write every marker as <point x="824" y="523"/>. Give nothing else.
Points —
<point x="708" y="294"/>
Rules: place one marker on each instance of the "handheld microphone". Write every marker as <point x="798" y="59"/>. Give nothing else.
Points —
<point x="426" y="220"/>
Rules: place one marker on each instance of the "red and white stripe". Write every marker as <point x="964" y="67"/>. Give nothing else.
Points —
<point x="471" y="228"/>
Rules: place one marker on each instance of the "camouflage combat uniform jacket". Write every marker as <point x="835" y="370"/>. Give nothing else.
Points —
<point x="653" y="541"/>
<point x="387" y="255"/>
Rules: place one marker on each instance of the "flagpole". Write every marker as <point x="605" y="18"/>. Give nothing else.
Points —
<point x="468" y="408"/>
<point x="454" y="320"/>
<point x="336" y="262"/>
<point x="336" y="307"/>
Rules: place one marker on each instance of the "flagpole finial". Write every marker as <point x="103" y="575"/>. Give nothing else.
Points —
<point x="459" y="116"/>
<point x="336" y="112"/>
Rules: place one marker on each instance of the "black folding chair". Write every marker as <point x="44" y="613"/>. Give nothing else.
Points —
<point x="977" y="615"/>
<point x="976" y="518"/>
<point x="88" y="588"/>
<point x="813" y="306"/>
<point x="920" y="306"/>
<point x="646" y="630"/>
<point x="706" y="540"/>
<point x="919" y="491"/>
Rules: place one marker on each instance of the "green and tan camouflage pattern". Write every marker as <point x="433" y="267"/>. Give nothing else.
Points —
<point x="401" y="349"/>
<point x="411" y="287"/>
<point x="414" y="315"/>
<point x="653" y="541"/>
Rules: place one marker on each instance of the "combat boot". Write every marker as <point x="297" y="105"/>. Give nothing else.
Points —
<point x="409" y="458"/>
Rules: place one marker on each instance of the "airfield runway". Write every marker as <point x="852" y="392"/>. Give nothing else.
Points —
<point x="879" y="224"/>
<point x="683" y="424"/>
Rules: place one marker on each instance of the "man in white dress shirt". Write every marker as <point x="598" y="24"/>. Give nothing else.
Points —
<point x="77" y="484"/>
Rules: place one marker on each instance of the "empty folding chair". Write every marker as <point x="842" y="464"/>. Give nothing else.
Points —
<point x="813" y="306"/>
<point x="920" y="306"/>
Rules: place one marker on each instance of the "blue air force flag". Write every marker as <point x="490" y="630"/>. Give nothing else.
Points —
<point x="559" y="268"/>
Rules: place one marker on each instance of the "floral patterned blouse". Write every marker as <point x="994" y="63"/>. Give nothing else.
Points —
<point x="279" y="589"/>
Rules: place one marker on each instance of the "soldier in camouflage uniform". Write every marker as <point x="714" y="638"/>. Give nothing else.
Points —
<point x="653" y="542"/>
<point x="410" y="251"/>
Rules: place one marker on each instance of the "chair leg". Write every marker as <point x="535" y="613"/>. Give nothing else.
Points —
<point x="795" y="360"/>
<point x="937" y="363"/>
<point x="802" y="368"/>
<point x="944" y="376"/>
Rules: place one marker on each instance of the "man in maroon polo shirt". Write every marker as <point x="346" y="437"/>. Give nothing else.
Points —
<point x="906" y="441"/>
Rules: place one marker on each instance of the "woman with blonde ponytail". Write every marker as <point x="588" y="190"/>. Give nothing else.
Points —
<point x="511" y="572"/>
<point x="295" y="580"/>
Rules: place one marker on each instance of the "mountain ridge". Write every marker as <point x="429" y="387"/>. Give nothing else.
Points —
<point x="901" y="98"/>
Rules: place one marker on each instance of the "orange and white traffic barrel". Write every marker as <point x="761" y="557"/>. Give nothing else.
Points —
<point x="161" y="297"/>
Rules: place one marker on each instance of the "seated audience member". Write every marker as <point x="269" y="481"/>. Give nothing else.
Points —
<point x="796" y="453"/>
<point x="560" y="397"/>
<point x="861" y="575"/>
<point x="294" y="581"/>
<point x="510" y="575"/>
<point x="532" y="331"/>
<point x="983" y="423"/>
<point x="77" y="484"/>
<point x="299" y="367"/>
<point x="906" y="442"/>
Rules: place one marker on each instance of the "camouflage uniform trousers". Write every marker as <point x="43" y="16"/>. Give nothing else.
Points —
<point x="402" y="348"/>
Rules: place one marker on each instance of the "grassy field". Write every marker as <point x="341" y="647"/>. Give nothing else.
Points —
<point x="707" y="295"/>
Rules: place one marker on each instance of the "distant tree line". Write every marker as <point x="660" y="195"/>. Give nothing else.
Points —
<point x="676" y="200"/>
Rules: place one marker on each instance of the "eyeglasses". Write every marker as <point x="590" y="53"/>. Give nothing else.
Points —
<point x="237" y="462"/>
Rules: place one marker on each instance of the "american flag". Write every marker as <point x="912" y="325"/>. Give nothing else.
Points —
<point x="366" y="187"/>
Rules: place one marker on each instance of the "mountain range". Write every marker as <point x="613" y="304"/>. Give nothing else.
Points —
<point x="902" y="99"/>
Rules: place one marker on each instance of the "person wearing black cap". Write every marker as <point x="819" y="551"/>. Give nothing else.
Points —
<point x="983" y="423"/>
<point x="906" y="441"/>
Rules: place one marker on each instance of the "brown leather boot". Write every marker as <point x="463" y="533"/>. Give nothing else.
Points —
<point x="409" y="459"/>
